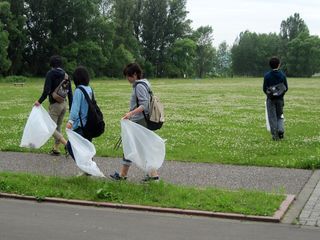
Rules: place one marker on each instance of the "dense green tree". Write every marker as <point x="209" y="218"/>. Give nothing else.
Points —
<point x="121" y="57"/>
<point x="52" y="25"/>
<point x="292" y="27"/>
<point x="162" y="23"/>
<point x="250" y="54"/>
<point x="303" y="57"/>
<point x="14" y="25"/>
<point x="223" y="65"/>
<point x="87" y="53"/>
<point x="181" y="58"/>
<point x="4" y="37"/>
<point x="205" y="52"/>
<point x="153" y="32"/>
<point x="122" y="16"/>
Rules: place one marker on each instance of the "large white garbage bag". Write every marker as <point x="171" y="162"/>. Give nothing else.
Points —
<point x="267" y="117"/>
<point x="83" y="151"/>
<point x="142" y="146"/>
<point x="39" y="128"/>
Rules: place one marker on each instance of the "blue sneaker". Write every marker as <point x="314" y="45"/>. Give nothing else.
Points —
<point x="116" y="176"/>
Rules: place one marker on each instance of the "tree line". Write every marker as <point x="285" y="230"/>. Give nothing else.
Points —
<point x="105" y="35"/>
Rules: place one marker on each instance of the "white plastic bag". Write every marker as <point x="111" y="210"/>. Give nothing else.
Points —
<point x="39" y="128"/>
<point x="83" y="151"/>
<point x="142" y="146"/>
<point x="267" y="117"/>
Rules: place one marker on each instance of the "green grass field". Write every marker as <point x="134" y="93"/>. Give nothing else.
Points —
<point x="216" y="121"/>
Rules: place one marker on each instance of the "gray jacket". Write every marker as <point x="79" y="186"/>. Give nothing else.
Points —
<point x="143" y="98"/>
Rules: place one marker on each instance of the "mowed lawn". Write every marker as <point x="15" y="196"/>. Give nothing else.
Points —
<point x="213" y="120"/>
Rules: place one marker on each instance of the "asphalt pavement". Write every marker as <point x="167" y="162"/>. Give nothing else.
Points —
<point x="25" y="220"/>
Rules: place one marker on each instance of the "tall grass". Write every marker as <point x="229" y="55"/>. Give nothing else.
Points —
<point x="216" y="120"/>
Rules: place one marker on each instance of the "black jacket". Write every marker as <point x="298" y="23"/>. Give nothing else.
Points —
<point x="53" y="78"/>
<point x="273" y="78"/>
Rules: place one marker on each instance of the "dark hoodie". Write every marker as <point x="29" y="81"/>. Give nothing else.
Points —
<point x="53" y="78"/>
<point x="272" y="78"/>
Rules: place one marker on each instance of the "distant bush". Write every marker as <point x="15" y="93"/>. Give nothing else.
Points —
<point x="12" y="79"/>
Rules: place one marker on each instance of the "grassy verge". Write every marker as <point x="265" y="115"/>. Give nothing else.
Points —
<point x="153" y="194"/>
<point x="215" y="120"/>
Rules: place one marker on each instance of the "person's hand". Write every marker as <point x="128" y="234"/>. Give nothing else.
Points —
<point x="69" y="125"/>
<point x="128" y="115"/>
<point x="36" y="103"/>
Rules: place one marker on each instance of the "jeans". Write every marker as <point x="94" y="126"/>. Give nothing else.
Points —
<point x="275" y="115"/>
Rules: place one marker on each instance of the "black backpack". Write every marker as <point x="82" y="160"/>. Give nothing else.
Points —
<point x="95" y="125"/>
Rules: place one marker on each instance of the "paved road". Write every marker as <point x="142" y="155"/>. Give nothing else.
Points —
<point x="23" y="220"/>
<point x="291" y="181"/>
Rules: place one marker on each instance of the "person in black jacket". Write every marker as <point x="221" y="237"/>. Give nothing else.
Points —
<point x="56" y="110"/>
<point x="275" y="86"/>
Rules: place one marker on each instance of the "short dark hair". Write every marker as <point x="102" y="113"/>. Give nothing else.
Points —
<point x="131" y="69"/>
<point x="274" y="62"/>
<point x="55" y="61"/>
<point x="81" y="76"/>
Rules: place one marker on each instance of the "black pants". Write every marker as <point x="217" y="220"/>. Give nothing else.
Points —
<point x="275" y="115"/>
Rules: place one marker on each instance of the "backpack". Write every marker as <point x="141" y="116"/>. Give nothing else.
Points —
<point x="61" y="92"/>
<point x="95" y="125"/>
<point x="155" y="119"/>
<point x="276" y="90"/>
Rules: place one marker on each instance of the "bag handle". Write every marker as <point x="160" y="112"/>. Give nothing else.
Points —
<point x="86" y="96"/>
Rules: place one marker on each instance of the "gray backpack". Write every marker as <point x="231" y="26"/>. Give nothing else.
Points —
<point x="61" y="92"/>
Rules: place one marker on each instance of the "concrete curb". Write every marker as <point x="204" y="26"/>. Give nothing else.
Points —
<point x="276" y="218"/>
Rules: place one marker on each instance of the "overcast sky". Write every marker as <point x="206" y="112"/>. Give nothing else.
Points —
<point x="230" y="17"/>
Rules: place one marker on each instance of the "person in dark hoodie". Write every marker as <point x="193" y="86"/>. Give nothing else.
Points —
<point x="275" y="86"/>
<point x="56" y="110"/>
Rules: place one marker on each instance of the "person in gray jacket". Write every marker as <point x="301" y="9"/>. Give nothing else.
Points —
<point x="139" y="108"/>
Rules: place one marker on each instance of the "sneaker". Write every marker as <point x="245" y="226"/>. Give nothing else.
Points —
<point x="54" y="152"/>
<point x="149" y="179"/>
<point x="116" y="176"/>
<point x="281" y="135"/>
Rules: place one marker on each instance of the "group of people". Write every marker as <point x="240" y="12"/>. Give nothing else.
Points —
<point x="139" y="104"/>
<point x="78" y="107"/>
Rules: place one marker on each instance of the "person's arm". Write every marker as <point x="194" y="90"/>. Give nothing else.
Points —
<point x="46" y="89"/>
<point x="285" y="83"/>
<point x="135" y="111"/>
<point x="75" y="108"/>
<point x="143" y="97"/>
<point x="264" y="87"/>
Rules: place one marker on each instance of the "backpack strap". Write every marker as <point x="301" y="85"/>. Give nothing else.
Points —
<point x="137" y="100"/>
<point x="86" y="96"/>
